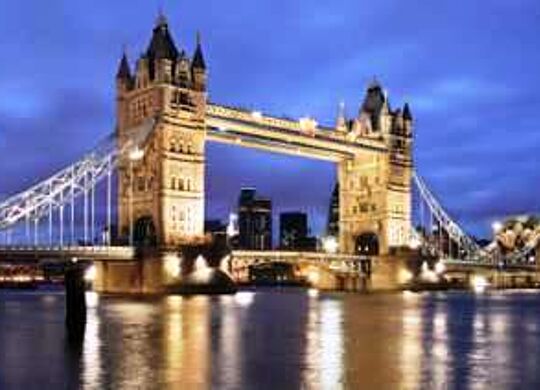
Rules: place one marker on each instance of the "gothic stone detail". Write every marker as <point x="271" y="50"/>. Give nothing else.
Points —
<point x="167" y="184"/>
<point x="373" y="150"/>
<point x="375" y="188"/>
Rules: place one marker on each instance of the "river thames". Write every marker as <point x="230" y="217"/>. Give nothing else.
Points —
<point x="275" y="339"/>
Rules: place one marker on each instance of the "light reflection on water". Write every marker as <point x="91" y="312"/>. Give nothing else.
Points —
<point x="275" y="339"/>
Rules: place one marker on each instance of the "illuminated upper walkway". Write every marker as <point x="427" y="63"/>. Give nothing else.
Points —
<point x="304" y="137"/>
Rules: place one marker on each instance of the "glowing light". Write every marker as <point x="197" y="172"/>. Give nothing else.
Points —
<point x="172" y="265"/>
<point x="405" y="275"/>
<point x="256" y="115"/>
<point x="203" y="275"/>
<point x="496" y="226"/>
<point x="307" y="123"/>
<point x="244" y="298"/>
<point x="136" y="154"/>
<point x="427" y="274"/>
<point x="440" y="268"/>
<point x="90" y="273"/>
<point x="313" y="292"/>
<point x="200" y="264"/>
<point x="313" y="276"/>
<point x="92" y="299"/>
<point x="224" y="264"/>
<point x="479" y="283"/>
<point x="232" y="227"/>
<point x="414" y="242"/>
<point x="330" y="244"/>
<point x="409" y="295"/>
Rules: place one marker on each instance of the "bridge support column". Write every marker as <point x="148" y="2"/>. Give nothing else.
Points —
<point x="147" y="275"/>
<point x="393" y="272"/>
<point x="374" y="198"/>
<point x="75" y="300"/>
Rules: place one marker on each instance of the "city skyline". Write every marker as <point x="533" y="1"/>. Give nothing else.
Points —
<point x="67" y="86"/>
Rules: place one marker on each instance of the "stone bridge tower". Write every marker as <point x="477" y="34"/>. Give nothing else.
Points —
<point x="375" y="186"/>
<point x="161" y="194"/>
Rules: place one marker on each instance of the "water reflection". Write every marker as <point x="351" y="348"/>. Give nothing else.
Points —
<point x="186" y="341"/>
<point x="410" y="341"/>
<point x="275" y="339"/>
<point x="91" y="348"/>
<point x="324" y="343"/>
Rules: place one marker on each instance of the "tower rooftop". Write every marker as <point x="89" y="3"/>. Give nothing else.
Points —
<point x="162" y="44"/>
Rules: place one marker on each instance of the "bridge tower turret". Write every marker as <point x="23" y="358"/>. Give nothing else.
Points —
<point x="161" y="193"/>
<point x="374" y="186"/>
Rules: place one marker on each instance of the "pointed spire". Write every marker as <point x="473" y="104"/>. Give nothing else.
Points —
<point x="374" y="83"/>
<point x="198" y="57"/>
<point x="341" y="122"/>
<point x="124" y="71"/>
<point x="161" y="20"/>
<point x="407" y="115"/>
<point x="162" y="44"/>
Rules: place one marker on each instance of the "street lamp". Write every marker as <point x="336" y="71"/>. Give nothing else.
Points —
<point x="330" y="244"/>
<point x="496" y="226"/>
<point x="135" y="155"/>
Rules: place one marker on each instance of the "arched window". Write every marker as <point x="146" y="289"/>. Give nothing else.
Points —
<point x="181" y="184"/>
<point x="173" y="183"/>
<point x="367" y="244"/>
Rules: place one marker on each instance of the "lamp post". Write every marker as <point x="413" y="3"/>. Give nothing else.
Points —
<point x="135" y="155"/>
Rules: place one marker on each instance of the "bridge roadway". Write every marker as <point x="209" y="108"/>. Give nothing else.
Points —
<point x="336" y="262"/>
<point x="10" y="254"/>
<point x="454" y="265"/>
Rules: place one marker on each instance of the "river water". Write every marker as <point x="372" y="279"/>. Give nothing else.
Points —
<point x="275" y="339"/>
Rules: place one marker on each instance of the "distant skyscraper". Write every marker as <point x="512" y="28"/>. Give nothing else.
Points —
<point x="332" y="228"/>
<point x="293" y="228"/>
<point x="254" y="221"/>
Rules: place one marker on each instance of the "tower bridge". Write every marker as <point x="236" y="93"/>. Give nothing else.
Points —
<point x="164" y="118"/>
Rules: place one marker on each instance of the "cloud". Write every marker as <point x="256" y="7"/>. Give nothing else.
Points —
<point x="469" y="73"/>
<point x="456" y="92"/>
<point x="35" y="146"/>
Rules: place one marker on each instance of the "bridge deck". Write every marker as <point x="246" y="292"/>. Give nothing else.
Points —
<point x="96" y="253"/>
<point x="460" y="265"/>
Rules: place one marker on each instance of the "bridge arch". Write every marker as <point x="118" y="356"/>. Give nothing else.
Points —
<point x="144" y="232"/>
<point x="367" y="243"/>
<point x="271" y="272"/>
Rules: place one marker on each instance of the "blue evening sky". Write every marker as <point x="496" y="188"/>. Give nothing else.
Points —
<point x="469" y="68"/>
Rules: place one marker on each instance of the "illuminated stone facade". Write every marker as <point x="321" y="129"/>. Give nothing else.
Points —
<point x="167" y="196"/>
<point x="374" y="187"/>
<point x="373" y="152"/>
